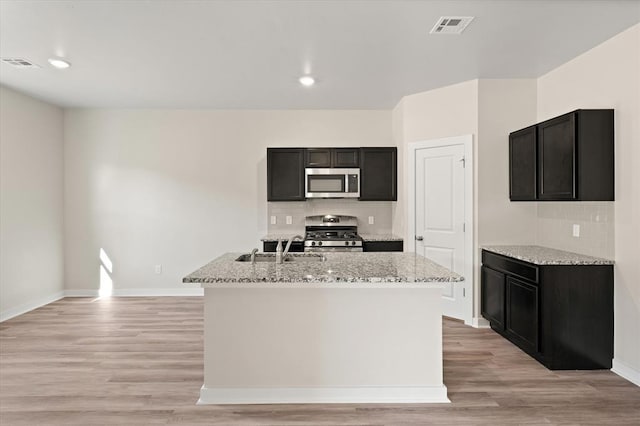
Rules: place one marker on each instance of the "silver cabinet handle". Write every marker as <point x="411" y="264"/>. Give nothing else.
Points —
<point x="419" y="238"/>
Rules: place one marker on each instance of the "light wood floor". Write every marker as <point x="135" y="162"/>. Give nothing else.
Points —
<point x="133" y="361"/>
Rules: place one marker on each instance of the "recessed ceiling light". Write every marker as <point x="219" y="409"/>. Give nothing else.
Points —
<point x="59" y="63"/>
<point x="307" y="80"/>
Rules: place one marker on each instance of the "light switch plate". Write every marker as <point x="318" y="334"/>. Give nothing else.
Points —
<point x="371" y="220"/>
<point x="576" y="230"/>
<point x="289" y="221"/>
<point x="273" y="220"/>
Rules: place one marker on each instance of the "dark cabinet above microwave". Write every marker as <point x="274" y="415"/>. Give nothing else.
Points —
<point x="285" y="174"/>
<point x="332" y="157"/>
<point x="566" y="158"/>
<point x="286" y="170"/>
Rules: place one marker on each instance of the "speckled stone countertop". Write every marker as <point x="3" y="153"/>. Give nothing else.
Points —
<point x="283" y="237"/>
<point x="547" y="256"/>
<point x="380" y="237"/>
<point x="354" y="269"/>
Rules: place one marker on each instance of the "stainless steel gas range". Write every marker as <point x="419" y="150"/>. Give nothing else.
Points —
<point x="332" y="233"/>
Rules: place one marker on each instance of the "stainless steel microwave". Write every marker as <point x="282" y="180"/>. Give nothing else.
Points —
<point x="332" y="183"/>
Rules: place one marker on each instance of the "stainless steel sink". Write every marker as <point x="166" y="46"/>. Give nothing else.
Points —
<point x="291" y="258"/>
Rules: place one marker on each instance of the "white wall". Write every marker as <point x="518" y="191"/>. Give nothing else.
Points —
<point x="608" y="76"/>
<point x="31" y="199"/>
<point x="504" y="105"/>
<point x="489" y="110"/>
<point x="439" y="113"/>
<point x="180" y="187"/>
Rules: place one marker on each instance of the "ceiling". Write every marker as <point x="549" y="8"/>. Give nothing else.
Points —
<point x="249" y="54"/>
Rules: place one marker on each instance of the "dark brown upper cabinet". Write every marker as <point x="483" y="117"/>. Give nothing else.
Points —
<point x="378" y="174"/>
<point x="332" y="157"/>
<point x="522" y="164"/>
<point x="573" y="161"/>
<point x="285" y="174"/>
<point x="345" y="157"/>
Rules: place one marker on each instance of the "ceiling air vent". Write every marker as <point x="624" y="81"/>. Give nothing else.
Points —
<point x="20" y="63"/>
<point x="451" y="24"/>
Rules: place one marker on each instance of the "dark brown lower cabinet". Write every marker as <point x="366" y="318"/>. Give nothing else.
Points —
<point x="382" y="246"/>
<point x="522" y="308"/>
<point x="562" y="315"/>
<point x="270" y="246"/>
<point x="492" y="297"/>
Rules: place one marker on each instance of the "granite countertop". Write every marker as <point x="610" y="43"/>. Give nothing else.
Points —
<point x="539" y="255"/>
<point x="380" y="237"/>
<point x="365" y="237"/>
<point x="283" y="237"/>
<point x="338" y="268"/>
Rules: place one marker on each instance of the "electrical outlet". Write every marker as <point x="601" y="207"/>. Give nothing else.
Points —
<point x="576" y="230"/>
<point x="371" y="220"/>
<point x="273" y="220"/>
<point x="158" y="269"/>
<point x="288" y="219"/>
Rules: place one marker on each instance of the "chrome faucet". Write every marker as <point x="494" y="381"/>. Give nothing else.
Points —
<point x="286" y="250"/>
<point x="253" y="256"/>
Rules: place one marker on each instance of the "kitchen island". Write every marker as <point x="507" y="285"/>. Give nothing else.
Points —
<point x="335" y="327"/>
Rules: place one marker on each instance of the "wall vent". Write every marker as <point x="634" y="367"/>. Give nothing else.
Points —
<point x="451" y="24"/>
<point x="20" y="63"/>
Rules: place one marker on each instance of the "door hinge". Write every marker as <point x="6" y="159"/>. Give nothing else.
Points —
<point x="464" y="162"/>
<point x="464" y="227"/>
<point x="464" y="292"/>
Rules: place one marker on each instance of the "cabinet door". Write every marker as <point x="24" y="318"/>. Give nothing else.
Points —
<point x="285" y="174"/>
<point x="346" y="157"/>
<point x="522" y="313"/>
<point x="522" y="165"/>
<point x="492" y="297"/>
<point x="270" y="246"/>
<point x="382" y="246"/>
<point x="378" y="174"/>
<point x="318" y="157"/>
<point x="557" y="158"/>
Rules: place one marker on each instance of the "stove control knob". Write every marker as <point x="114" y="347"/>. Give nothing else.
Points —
<point x="353" y="243"/>
<point x="319" y="243"/>
<point x="346" y="243"/>
<point x="313" y="243"/>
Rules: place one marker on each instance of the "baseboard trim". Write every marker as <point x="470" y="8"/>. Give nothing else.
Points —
<point x="626" y="372"/>
<point x="325" y="395"/>
<point x="479" y="322"/>
<point x="30" y="306"/>
<point x="134" y="292"/>
<point x="81" y="293"/>
<point x="139" y="292"/>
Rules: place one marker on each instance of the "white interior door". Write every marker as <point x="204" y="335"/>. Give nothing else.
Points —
<point x="440" y="198"/>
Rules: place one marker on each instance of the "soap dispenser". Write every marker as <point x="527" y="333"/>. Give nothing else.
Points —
<point x="279" y="251"/>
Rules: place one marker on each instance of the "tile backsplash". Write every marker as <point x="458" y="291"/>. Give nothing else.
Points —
<point x="596" y="221"/>
<point x="380" y="210"/>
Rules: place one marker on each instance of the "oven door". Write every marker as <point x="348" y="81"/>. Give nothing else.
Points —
<point x="332" y="183"/>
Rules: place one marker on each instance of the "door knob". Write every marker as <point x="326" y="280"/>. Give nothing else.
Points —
<point x="419" y="238"/>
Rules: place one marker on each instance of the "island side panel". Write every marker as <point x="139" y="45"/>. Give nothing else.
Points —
<point x="323" y="345"/>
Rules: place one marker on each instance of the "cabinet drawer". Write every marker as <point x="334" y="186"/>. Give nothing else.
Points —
<point x="511" y="266"/>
